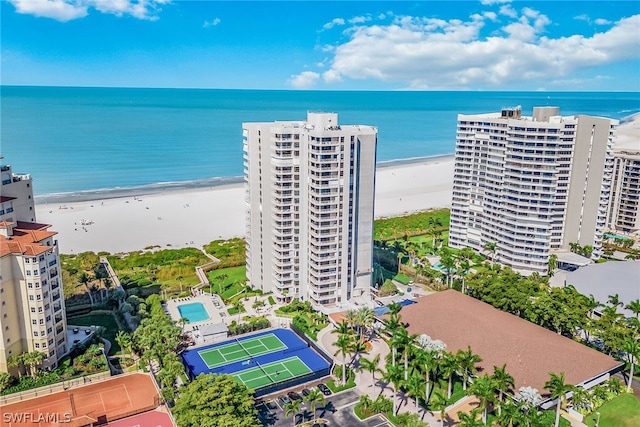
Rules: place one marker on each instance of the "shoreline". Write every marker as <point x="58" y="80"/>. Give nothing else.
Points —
<point x="171" y="218"/>
<point x="212" y="182"/>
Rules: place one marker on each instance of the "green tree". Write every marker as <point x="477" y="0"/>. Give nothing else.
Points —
<point x="427" y="360"/>
<point x="215" y="400"/>
<point x="467" y="364"/>
<point x="5" y="381"/>
<point x="491" y="247"/>
<point x="470" y="420"/>
<point x="394" y="376"/>
<point x="448" y="367"/>
<point x="634" y="306"/>
<point x="314" y="397"/>
<point x="371" y="366"/>
<point x="343" y="345"/>
<point x="124" y="341"/>
<point x="631" y="347"/>
<point x="366" y="317"/>
<point x="484" y="389"/>
<point x="558" y="389"/>
<point x="413" y="387"/>
<point x="291" y="409"/>
<point x="503" y="381"/>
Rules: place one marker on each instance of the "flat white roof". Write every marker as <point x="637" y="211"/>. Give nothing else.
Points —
<point x="609" y="278"/>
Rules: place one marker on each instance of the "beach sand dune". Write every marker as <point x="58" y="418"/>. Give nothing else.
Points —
<point x="194" y="217"/>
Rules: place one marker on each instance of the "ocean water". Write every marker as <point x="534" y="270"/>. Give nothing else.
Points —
<point x="87" y="139"/>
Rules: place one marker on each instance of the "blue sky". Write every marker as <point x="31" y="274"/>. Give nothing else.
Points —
<point x="328" y="45"/>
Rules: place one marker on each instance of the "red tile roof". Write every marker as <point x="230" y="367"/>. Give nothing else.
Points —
<point x="26" y="239"/>
<point x="529" y="351"/>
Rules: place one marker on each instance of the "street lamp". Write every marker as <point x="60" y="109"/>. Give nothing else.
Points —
<point x="598" y="420"/>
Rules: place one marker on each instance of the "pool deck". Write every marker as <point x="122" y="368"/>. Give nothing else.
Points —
<point x="216" y="314"/>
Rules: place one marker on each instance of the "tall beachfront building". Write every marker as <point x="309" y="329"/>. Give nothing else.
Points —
<point x="531" y="185"/>
<point x="310" y="194"/>
<point x="624" y="210"/>
<point x="32" y="312"/>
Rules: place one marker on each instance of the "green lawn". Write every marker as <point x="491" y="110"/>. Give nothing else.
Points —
<point x="402" y="278"/>
<point x="105" y="320"/>
<point x="623" y="411"/>
<point x="231" y="284"/>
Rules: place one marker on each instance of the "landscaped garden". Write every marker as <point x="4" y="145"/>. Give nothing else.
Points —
<point x="623" y="411"/>
<point x="304" y="317"/>
<point x="101" y="318"/>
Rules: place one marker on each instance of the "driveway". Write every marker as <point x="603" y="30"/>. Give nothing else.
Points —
<point x="338" y="411"/>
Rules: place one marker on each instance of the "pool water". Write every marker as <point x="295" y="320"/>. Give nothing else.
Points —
<point x="439" y="267"/>
<point x="194" y="312"/>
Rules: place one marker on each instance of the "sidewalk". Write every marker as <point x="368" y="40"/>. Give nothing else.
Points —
<point x="326" y="340"/>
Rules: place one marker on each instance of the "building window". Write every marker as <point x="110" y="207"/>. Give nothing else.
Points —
<point x="35" y="333"/>
<point x="42" y="321"/>
<point x="27" y="260"/>
<point x="37" y="345"/>
<point x="30" y="285"/>
<point x="34" y="322"/>
<point x="30" y="297"/>
<point x="33" y="309"/>
<point x="28" y="272"/>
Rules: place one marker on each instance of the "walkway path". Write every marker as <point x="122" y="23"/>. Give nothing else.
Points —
<point x="327" y="340"/>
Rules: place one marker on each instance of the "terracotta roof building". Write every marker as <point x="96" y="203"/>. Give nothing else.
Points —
<point x="32" y="312"/>
<point x="529" y="351"/>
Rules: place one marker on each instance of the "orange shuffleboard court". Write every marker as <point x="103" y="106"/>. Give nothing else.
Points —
<point x="104" y="401"/>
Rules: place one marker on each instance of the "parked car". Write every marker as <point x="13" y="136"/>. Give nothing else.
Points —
<point x="294" y="396"/>
<point x="284" y="400"/>
<point x="306" y="392"/>
<point x="324" y="389"/>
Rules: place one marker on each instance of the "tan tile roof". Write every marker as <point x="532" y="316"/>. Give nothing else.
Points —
<point x="529" y="351"/>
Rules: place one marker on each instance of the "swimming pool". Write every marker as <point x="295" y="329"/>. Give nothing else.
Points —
<point x="615" y="236"/>
<point x="193" y="312"/>
<point x="439" y="267"/>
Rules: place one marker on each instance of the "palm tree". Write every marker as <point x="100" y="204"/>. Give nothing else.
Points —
<point x="407" y="342"/>
<point x="314" y="397"/>
<point x="371" y="366"/>
<point x="470" y="419"/>
<point x="84" y="279"/>
<point x="16" y="361"/>
<point x="342" y="328"/>
<point x="558" y="389"/>
<point x="366" y="316"/>
<point x="634" y="306"/>
<point x="448" y="263"/>
<point x="394" y="376"/>
<point x="463" y="269"/>
<point x="632" y="348"/>
<point x="32" y="359"/>
<point x="511" y="414"/>
<point x="179" y="279"/>
<point x="615" y="302"/>
<point x="181" y="322"/>
<point x="394" y="310"/>
<point x="448" y="366"/>
<point x="356" y="347"/>
<point x="502" y="381"/>
<point x="440" y="405"/>
<point x="467" y="363"/>
<point x="553" y="264"/>
<point x="124" y="341"/>
<point x="483" y="388"/>
<point x="343" y="344"/>
<point x="351" y="318"/>
<point x="291" y="409"/>
<point x="491" y="247"/>
<point x="427" y="360"/>
<point x="414" y="388"/>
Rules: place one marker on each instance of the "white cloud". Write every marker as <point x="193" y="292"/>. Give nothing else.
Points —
<point x="215" y="21"/>
<point x="584" y="17"/>
<point x="602" y="21"/>
<point x="507" y="10"/>
<point x="60" y="10"/>
<point x="304" y="80"/>
<point x="331" y="76"/>
<point x="359" y="19"/>
<point x="67" y="10"/>
<point x="490" y="2"/>
<point x="422" y="52"/>
<point x="333" y="23"/>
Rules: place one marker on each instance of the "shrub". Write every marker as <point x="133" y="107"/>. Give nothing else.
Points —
<point x="388" y="288"/>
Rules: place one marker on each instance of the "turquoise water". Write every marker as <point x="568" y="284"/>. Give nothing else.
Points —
<point x="194" y="311"/>
<point x="73" y="139"/>
<point x="439" y="267"/>
<point x="615" y="236"/>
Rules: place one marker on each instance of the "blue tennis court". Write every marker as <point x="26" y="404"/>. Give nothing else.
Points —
<point x="265" y="362"/>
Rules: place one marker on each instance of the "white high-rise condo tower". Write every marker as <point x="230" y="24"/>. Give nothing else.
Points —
<point x="32" y="311"/>
<point x="531" y="185"/>
<point x="310" y="194"/>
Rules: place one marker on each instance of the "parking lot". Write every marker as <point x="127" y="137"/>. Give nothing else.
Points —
<point x="337" y="411"/>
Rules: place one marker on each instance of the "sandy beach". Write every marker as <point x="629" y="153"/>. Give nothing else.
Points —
<point x="178" y="218"/>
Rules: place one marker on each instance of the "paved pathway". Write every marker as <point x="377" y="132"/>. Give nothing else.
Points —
<point x="326" y="339"/>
